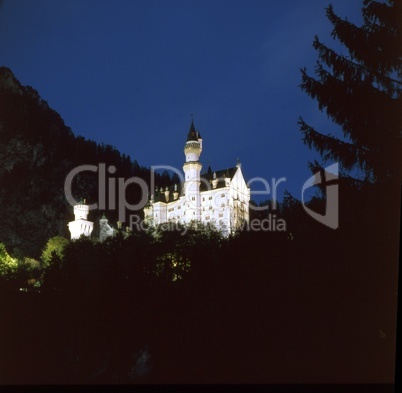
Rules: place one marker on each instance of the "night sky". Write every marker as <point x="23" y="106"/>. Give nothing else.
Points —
<point x="131" y="73"/>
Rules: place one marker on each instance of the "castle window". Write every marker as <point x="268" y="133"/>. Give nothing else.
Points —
<point x="222" y="195"/>
<point x="193" y="198"/>
<point x="210" y="198"/>
<point x="222" y="205"/>
<point x="210" y="208"/>
<point x="220" y="214"/>
<point x="203" y="199"/>
<point x="207" y="217"/>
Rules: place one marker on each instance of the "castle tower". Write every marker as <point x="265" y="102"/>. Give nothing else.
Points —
<point x="80" y="226"/>
<point x="105" y="230"/>
<point x="149" y="212"/>
<point x="192" y="170"/>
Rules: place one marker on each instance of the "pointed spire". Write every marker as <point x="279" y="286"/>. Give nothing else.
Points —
<point x="209" y="171"/>
<point x="192" y="134"/>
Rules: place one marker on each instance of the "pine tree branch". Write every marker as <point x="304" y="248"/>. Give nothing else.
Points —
<point x="376" y="163"/>
<point x="346" y="68"/>
<point x="361" y="93"/>
<point x="376" y="13"/>
<point x="375" y="49"/>
<point x="357" y="107"/>
<point x="330" y="148"/>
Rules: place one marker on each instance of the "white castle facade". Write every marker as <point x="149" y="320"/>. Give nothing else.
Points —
<point x="80" y="226"/>
<point x="220" y="198"/>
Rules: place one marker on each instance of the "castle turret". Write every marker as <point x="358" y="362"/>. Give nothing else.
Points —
<point x="105" y="230"/>
<point x="167" y="193"/>
<point x="193" y="146"/>
<point x="214" y="181"/>
<point x="81" y="210"/>
<point x="80" y="226"/>
<point x="175" y="192"/>
<point x="192" y="170"/>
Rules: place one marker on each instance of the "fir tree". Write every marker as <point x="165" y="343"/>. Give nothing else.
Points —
<point x="361" y="92"/>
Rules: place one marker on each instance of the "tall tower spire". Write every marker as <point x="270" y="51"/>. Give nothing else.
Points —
<point x="192" y="170"/>
<point x="193" y="147"/>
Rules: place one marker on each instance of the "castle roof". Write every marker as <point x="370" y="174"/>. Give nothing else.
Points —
<point x="193" y="135"/>
<point x="159" y="193"/>
<point x="206" y="184"/>
<point x="220" y="175"/>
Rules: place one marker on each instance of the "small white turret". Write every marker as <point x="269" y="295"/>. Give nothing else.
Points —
<point x="175" y="192"/>
<point x="105" y="230"/>
<point x="80" y="226"/>
<point x="214" y="181"/>
<point x="167" y="192"/>
<point x="81" y="211"/>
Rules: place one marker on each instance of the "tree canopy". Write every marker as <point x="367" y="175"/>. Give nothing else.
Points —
<point x="360" y="91"/>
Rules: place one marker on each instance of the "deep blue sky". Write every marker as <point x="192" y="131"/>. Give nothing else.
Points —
<point x="130" y="73"/>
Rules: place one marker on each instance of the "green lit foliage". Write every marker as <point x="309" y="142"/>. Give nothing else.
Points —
<point x="172" y="265"/>
<point x="21" y="273"/>
<point x="28" y="276"/>
<point x="180" y="248"/>
<point x="8" y="265"/>
<point x="55" y="245"/>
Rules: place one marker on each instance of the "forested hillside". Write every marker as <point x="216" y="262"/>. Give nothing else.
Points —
<point x="37" y="151"/>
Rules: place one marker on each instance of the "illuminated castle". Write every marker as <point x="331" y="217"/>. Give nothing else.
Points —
<point x="220" y="197"/>
<point x="80" y="226"/>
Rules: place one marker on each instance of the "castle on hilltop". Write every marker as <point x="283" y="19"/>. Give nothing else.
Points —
<point x="219" y="197"/>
